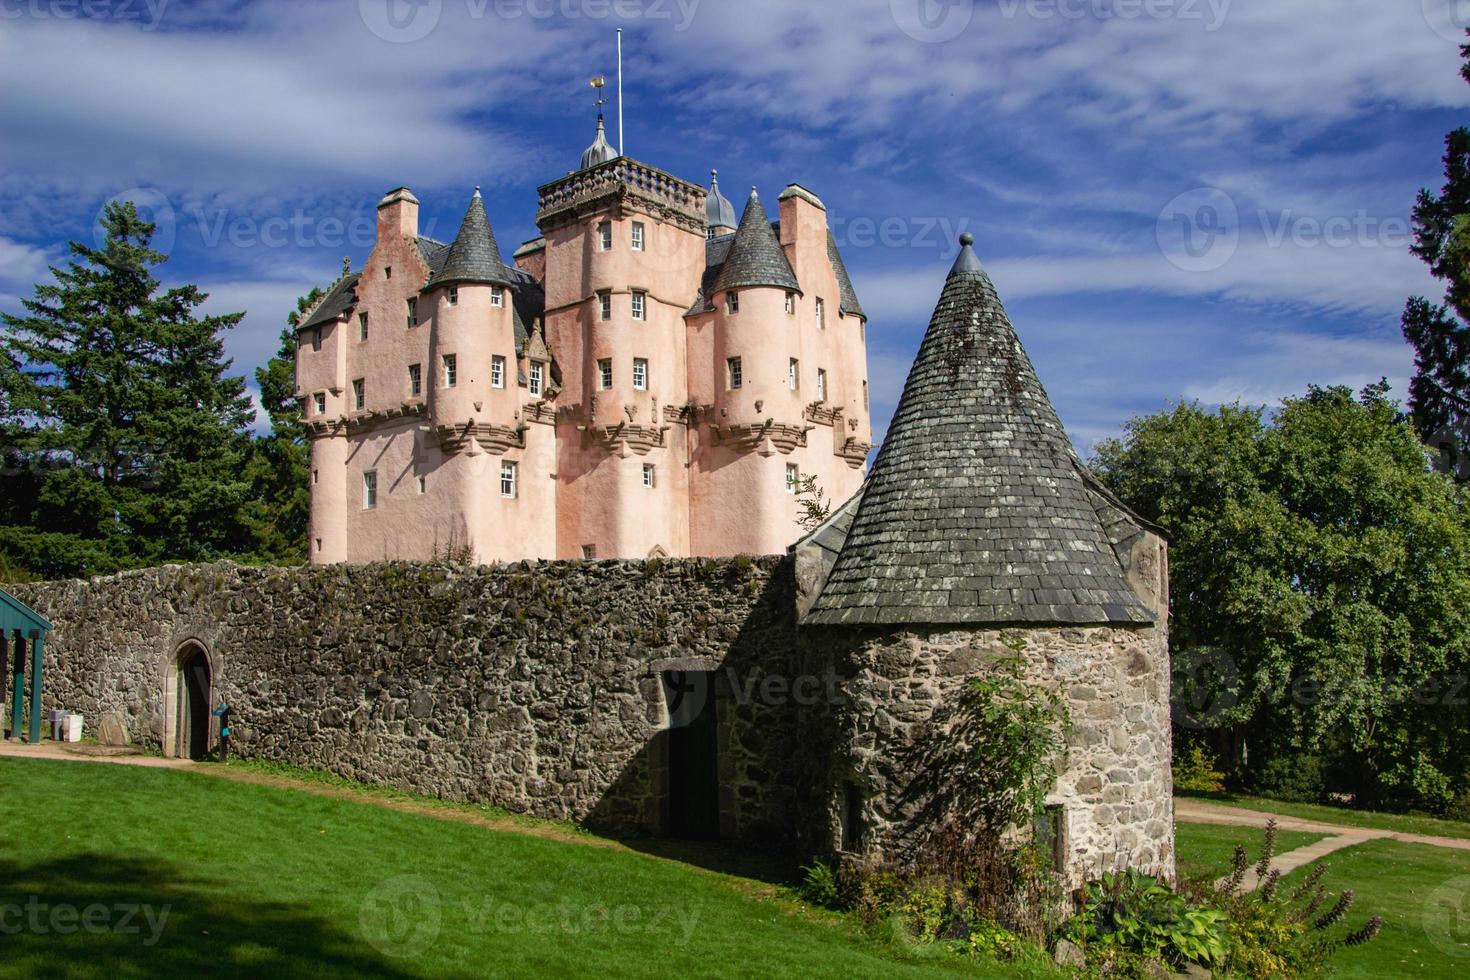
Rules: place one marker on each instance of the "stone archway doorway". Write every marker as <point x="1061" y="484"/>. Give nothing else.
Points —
<point x="189" y="700"/>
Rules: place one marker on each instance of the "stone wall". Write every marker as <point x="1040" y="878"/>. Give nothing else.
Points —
<point x="535" y="687"/>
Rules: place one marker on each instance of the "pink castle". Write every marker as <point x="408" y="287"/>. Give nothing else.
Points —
<point x="649" y="378"/>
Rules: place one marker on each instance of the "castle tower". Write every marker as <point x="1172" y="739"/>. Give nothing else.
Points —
<point x="624" y="243"/>
<point x="980" y="536"/>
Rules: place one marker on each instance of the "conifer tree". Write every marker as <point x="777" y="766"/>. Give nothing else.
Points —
<point x="135" y="438"/>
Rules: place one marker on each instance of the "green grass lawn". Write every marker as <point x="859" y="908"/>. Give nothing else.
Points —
<point x="1207" y="850"/>
<point x="1342" y="815"/>
<point x="237" y="879"/>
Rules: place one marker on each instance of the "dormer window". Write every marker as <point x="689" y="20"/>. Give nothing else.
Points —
<point x="640" y="301"/>
<point x="732" y="302"/>
<point x="497" y="296"/>
<point x="604" y="236"/>
<point x="637" y="236"/>
<point x="453" y="295"/>
<point x="537" y="379"/>
<point x="791" y="304"/>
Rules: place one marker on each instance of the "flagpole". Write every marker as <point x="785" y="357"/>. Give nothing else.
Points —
<point x="620" y="91"/>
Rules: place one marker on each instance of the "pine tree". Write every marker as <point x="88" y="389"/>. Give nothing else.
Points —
<point x="280" y="463"/>
<point x="1439" y="393"/>
<point x="136" y="436"/>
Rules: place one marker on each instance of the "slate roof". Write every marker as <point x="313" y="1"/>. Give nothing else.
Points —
<point x="340" y="299"/>
<point x="715" y="251"/>
<point x="474" y="256"/>
<point x="718" y="211"/>
<point x="976" y="509"/>
<point x="847" y="300"/>
<point x="432" y="252"/>
<point x="755" y="257"/>
<point x="528" y="304"/>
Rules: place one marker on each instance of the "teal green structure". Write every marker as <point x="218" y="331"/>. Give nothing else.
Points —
<point x="22" y="626"/>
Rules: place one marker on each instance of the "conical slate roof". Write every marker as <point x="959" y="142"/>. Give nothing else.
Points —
<point x="718" y="211"/>
<point x="473" y="256"/>
<point x="975" y="511"/>
<point x="755" y="258"/>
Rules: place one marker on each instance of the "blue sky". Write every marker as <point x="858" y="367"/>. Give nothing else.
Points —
<point x="1176" y="198"/>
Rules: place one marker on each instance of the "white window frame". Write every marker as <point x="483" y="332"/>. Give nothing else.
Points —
<point x="359" y="394"/>
<point x="370" y="490"/>
<point x="415" y="380"/>
<point x="451" y="370"/>
<point x="640" y="304"/>
<point x="413" y="311"/>
<point x="508" y="479"/>
<point x="650" y="476"/>
<point x="734" y="373"/>
<point x="732" y="302"/>
<point x="536" y="379"/>
<point x="821" y="314"/>
<point x="790" y="303"/>
<point x="497" y="371"/>
<point x="319" y="401"/>
<point x="636" y="236"/>
<point x="640" y="374"/>
<point x="453" y="295"/>
<point x="793" y="374"/>
<point x="497" y="296"/>
<point x="604" y="236"/>
<point x="362" y="327"/>
<point x="821" y="384"/>
<point x="793" y="477"/>
<point x="604" y="373"/>
<point x="604" y="305"/>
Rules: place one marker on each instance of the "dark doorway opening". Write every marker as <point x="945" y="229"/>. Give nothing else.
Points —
<point x="694" y="772"/>
<point x="852" y="817"/>
<point x="194" y="705"/>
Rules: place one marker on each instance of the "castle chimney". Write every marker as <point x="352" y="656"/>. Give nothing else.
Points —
<point x="398" y="215"/>
<point x="803" y="231"/>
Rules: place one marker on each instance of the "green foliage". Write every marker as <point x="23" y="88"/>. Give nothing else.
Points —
<point x="819" y="886"/>
<point x="1195" y="772"/>
<point x="134" y="439"/>
<point x="1320" y="580"/>
<point x="1016" y="732"/>
<point x="1127" y="917"/>
<point x="812" y="503"/>
<point x="1295" y="777"/>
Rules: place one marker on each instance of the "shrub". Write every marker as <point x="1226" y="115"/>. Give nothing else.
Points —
<point x="1195" y="772"/>
<point x="819" y="887"/>
<point x="1293" y="778"/>
<point x="1128" y="916"/>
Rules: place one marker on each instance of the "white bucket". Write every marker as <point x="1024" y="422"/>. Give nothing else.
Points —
<point x="71" y="728"/>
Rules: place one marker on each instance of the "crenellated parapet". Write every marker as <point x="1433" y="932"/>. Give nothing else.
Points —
<point x="632" y="184"/>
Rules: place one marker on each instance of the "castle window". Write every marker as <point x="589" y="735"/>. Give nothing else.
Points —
<point x="604" y="305"/>
<point x="451" y="371"/>
<point x="362" y="326"/>
<point x="852" y="817"/>
<point x="358" y="399"/>
<point x="792" y="477"/>
<point x="648" y="475"/>
<point x="318" y="545"/>
<point x="507" y="478"/>
<point x="413" y="311"/>
<point x="793" y="375"/>
<point x="821" y="384"/>
<point x="732" y="302"/>
<point x="639" y="303"/>
<point x="497" y="372"/>
<point x="415" y="380"/>
<point x="497" y="296"/>
<point x="320" y="399"/>
<point x="637" y="236"/>
<point x="316" y="339"/>
<point x="316" y="476"/>
<point x="604" y="373"/>
<point x="453" y="295"/>
<point x="1049" y="829"/>
<point x="604" y="236"/>
<point x="387" y="272"/>
<point x="865" y="396"/>
<point x="733" y="372"/>
<point x="640" y="374"/>
<point x="589" y="552"/>
<point x="423" y="485"/>
<point x="369" y="490"/>
<point x="821" y="314"/>
<point x="538" y="376"/>
<point x="863" y="331"/>
<point x="791" y="303"/>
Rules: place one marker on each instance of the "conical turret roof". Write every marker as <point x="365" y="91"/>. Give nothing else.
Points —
<point x="473" y="256"/>
<point x="755" y="258"/>
<point x="976" y="510"/>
